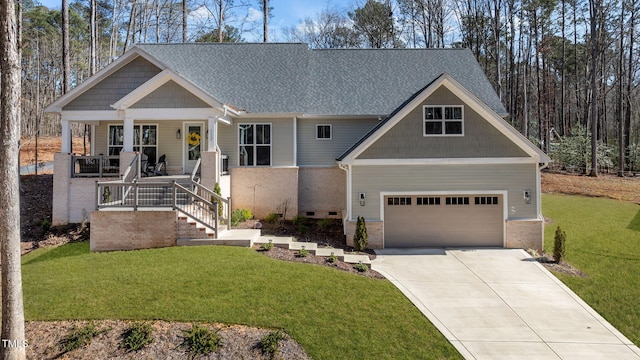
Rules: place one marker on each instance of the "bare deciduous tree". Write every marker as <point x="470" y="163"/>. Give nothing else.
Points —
<point x="12" y="305"/>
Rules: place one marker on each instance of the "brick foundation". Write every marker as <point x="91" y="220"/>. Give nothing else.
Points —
<point x="374" y="233"/>
<point x="130" y="230"/>
<point x="525" y="234"/>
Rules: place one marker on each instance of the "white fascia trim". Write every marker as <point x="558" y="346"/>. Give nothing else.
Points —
<point x="446" y="161"/>
<point x="172" y="114"/>
<point x="469" y="100"/>
<point x="56" y="106"/>
<point x="157" y="81"/>
<point x="91" y="115"/>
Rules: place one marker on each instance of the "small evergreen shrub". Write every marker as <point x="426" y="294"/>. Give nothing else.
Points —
<point x="360" y="237"/>
<point x="559" y="245"/>
<point x="46" y="225"/>
<point x="270" y="343"/>
<point x="303" y="252"/>
<point x="200" y="341"/>
<point x="361" y="267"/>
<point x="137" y="336"/>
<point x="240" y="215"/>
<point x="299" y="220"/>
<point x="218" y="191"/>
<point x="272" y="218"/>
<point x="267" y="246"/>
<point x="324" y="224"/>
<point x="80" y="336"/>
<point x="332" y="258"/>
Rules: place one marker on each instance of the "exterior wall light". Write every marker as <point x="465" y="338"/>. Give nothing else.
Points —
<point x="178" y="135"/>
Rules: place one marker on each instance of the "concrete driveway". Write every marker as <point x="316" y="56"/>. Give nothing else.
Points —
<point x="500" y="304"/>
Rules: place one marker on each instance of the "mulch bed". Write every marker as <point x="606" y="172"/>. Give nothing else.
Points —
<point x="289" y="255"/>
<point x="238" y="342"/>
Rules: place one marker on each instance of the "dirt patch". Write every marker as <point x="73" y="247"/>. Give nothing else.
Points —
<point x="238" y="342"/>
<point x="47" y="146"/>
<point x="605" y="185"/>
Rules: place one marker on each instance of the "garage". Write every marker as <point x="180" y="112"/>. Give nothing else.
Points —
<point x="452" y="220"/>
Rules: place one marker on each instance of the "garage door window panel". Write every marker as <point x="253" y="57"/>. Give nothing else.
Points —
<point x="398" y="201"/>
<point x="433" y="201"/>
<point x="457" y="200"/>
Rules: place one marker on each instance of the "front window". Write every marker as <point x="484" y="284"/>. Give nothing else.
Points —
<point x="254" y="144"/>
<point x="443" y="121"/>
<point x="145" y="139"/>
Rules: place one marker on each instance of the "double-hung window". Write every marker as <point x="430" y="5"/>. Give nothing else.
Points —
<point x="443" y="121"/>
<point x="145" y="139"/>
<point x="254" y="144"/>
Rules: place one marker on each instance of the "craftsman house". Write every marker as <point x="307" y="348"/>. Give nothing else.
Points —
<point x="413" y="140"/>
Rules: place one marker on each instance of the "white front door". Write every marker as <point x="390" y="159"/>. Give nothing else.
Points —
<point x="193" y="145"/>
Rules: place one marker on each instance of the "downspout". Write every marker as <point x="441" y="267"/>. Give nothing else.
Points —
<point x="295" y="141"/>
<point x="347" y="217"/>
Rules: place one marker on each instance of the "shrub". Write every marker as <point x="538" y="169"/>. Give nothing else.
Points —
<point x="267" y="246"/>
<point x="299" y="220"/>
<point x="46" y="225"/>
<point x="303" y="229"/>
<point x="200" y="341"/>
<point x="137" y="336"/>
<point x="559" y="245"/>
<point x="218" y="191"/>
<point x="361" y="267"/>
<point x="272" y="218"/>
<point x="332" y="258"/>
<point x="324" y="224"/>
<point x="360" y="237"/>
<point x="303" y="252"/>
<point x="240" y="215"/>
<point x="80" y="336"/>
<point x="269" y="344"/>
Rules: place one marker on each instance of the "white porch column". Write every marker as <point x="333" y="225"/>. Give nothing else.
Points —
<point x="128" y="134"/>
<point x="66" y="137"/>
<point x="212" y="139"/>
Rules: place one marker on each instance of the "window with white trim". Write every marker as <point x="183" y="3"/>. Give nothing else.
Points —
<point x="323" y="131"/>
<point x="443" y="121"/>
<point x="145" y="139"/>
<point x="254" y="144"/>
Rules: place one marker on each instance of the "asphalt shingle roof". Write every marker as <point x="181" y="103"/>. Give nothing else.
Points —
<point x="291" y="78"/>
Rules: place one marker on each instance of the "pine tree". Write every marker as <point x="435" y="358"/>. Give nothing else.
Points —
<point x="360" y="237"/>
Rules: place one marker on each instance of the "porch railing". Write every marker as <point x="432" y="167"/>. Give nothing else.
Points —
<point x="194" y="200"/>
<point x="95" y="166"/>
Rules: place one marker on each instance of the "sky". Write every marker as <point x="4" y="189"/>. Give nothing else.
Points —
<point x="286" y="13"/>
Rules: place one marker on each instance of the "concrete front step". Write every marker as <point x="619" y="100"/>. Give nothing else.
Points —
<point x="277" y="241"/>
<point x="236" y="237"/>
<point x="355" y="259"/>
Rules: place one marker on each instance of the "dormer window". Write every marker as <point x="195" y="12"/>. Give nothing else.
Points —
<point x="443" y="121"/>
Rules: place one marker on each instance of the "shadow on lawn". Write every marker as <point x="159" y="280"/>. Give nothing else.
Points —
<point x="635" y="223"/>
<point x="59" y="252"/>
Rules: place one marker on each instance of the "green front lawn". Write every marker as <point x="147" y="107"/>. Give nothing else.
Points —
<point x="603" y="240"/>
<point x="332" y="314"/>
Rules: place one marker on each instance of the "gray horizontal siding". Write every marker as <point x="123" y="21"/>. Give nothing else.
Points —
<point x="170" y="95"/>
<point x="345" y="132"/>
<point x="281" y="140"/>
<point x="515" y="178"/>
<point x="406" y="140"/>
<point x="113" y="88"/>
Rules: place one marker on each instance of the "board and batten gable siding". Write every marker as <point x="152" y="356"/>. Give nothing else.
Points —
<point x="108" y="91"/>
<point x="167" y="142"/>
<point x="514" y="178"/>
<point x="405" y="140"/>
<point x="170" y="95"/>
<point x="281" y="140"/>
<point x="344" y="133"/>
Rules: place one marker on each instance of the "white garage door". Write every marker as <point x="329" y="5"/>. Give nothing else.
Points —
<point x="443" y="220"/>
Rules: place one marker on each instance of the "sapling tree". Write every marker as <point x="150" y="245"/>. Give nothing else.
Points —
<point x="360" y="237"/>
<point x="559" y="245"/>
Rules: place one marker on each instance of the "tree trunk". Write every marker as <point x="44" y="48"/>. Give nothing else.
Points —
<point x="620" y="109"/>
<point x="265" y="8"/>
<point x="66" y="66"/>
<point x="594" y="10"/>
<point x="184" y="21"/>
<point x="12" y="306"/>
